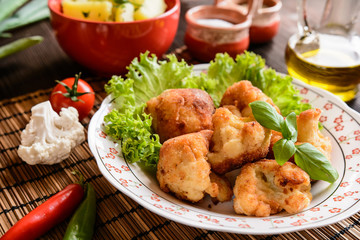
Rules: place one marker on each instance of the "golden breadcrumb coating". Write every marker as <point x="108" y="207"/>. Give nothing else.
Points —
<point x="233" y="109"/>
<point x="264" y="187"/>
<point x="308" y="131"/>
<point x="179" y="111"/>
<point x="183" y="168"/>
<point x="236" y="141"/>
<point x="241" y="94"/>
<point x="275" y="136"/>
<point x="223" y="191"/>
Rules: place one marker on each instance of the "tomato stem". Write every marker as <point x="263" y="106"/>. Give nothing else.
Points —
<point x="72" y="92"/>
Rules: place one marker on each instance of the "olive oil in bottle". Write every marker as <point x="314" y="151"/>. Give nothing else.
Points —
<point x="334" y="66"/>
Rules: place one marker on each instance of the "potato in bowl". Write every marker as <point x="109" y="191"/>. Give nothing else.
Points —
<point x="113" y="10"/>
<point x="107" y="47"/>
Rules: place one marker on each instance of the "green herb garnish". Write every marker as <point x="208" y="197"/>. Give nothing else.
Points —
<point x="18" y="13"/>
<point x="307" y="157"/>
<point x="86" y="14"/>
<point x="19" y="45"/>
<point x="32" y="11"/>
<point x="148" y="77"/>
<point x="250" y="66"/>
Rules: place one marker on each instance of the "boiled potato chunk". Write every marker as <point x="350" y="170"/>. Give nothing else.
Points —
<point x="150" y="9"/>
<point x="88" y="10"/>
<point x="124" y="13"/>
<point x="137" y="3"/>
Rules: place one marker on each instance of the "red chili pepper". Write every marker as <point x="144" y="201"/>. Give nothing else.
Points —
<point x="53" y="211"/>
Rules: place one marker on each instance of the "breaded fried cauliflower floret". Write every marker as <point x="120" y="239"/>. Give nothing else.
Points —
<point x="236" y="141"/>
<point x="180" y="111"/>
<point x="264" y="187"/>
<point x="183" y="168"/>
<point x="308" y="131"/>
<point x="222" y="190"/>
<point x="241" y="94"/>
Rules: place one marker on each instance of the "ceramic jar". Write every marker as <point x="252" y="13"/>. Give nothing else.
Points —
<point x="212" y="29"/>
<point x="265" y="17"/>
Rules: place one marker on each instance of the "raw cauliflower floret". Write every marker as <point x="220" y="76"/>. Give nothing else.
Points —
<point x="48" y="138"/>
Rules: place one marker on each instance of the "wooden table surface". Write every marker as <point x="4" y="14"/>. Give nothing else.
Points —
<point x="37" y="67"/>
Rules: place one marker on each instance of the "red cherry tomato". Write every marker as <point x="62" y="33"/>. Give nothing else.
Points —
<point x="77" y="93"/>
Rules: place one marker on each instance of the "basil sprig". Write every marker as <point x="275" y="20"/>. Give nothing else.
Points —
<point x="306" y="156"/>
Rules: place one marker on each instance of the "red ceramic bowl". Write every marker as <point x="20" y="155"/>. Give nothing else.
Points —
<point x="108" y="47"/>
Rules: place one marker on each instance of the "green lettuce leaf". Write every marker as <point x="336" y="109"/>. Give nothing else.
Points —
<point x="148" y="77"/>
<point x="152" y="77"/>
<point x="250" y="66"/>
<point x="138" y="143"/>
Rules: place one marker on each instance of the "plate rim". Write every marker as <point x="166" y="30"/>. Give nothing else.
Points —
<point x="341" y="216"/>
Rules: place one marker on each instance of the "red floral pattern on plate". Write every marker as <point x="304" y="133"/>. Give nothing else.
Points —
<point x="342" y="126"/>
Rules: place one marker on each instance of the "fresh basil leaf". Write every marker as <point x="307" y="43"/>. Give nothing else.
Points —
<point x="289" y="127"/>
<point x="283" y="150"/>
<point x="312" y="161"/>
<point x="266" y="115"/>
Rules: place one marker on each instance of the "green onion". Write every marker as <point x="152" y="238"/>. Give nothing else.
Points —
<point x="19" y="45"/>
<point x="33" y="11"/>
<point x="7" y="8"/>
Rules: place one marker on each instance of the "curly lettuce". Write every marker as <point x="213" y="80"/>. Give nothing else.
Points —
<point x="138" y="143"/>
<point x="250" y="66"/>
<point x="148" y="77"/>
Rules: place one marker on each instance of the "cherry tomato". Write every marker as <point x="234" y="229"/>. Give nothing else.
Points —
<point x="73" y="92"/>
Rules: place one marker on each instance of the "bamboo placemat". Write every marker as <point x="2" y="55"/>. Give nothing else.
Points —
<point x="24" y="187"/>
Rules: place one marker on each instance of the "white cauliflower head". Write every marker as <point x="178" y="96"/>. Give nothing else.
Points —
<point x="48" y="138"/>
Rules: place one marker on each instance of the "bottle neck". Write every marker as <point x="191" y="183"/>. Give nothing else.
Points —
<point x="339" y="17"/>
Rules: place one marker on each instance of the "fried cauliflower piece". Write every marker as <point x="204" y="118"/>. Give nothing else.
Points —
<point x="233" y="109"/>
<point x="183" y="168"/>
<point x="308" y="131"/>
<point x="241" y="94"/>
<point x="236" y="141"/>
<point x="275" y="136"/>
<point x="264" y="187"/>
<point x="180" y="111"/>
<point x="223" y="191"/>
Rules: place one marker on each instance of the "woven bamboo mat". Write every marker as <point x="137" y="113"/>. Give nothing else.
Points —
<point x="24" y="187"/>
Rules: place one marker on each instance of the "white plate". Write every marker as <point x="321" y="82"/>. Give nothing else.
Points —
<point x="331" y="202"/>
